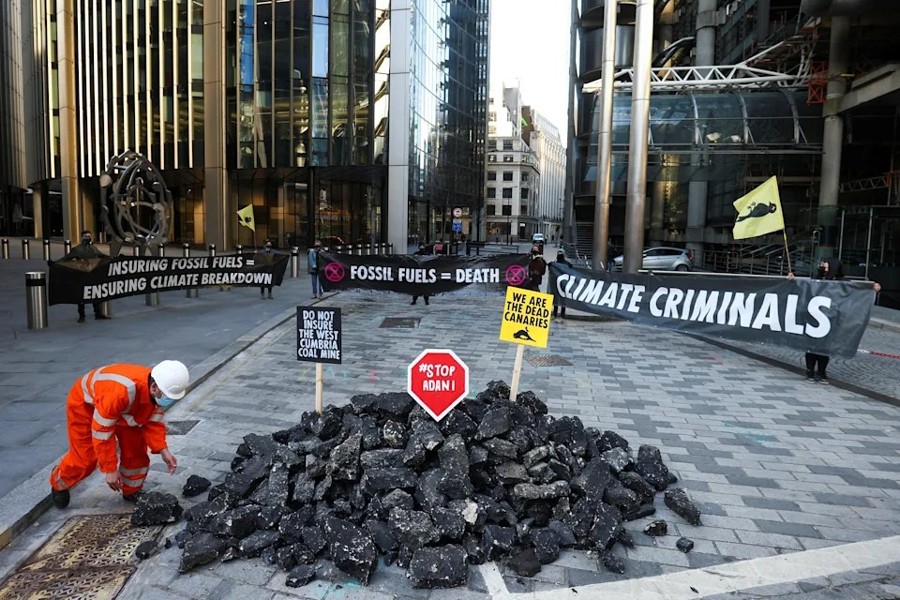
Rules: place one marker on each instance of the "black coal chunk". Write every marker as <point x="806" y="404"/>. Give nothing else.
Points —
<point x="530" y="491"/>
<point x="657" y="528"/>
<point x="606" y="526"/>
<point x="412" y="528"/>
<point x="498" y="541"/>
<point x="155" y="508"/>
<point x="344" y="463"/>
<point x="618" y="459"/>
<point x="494" y="423"/>
<point x="256" y="542"/>
<point x="650" y="466"/>
<point x="525" y="563"/>
<point x="546" y="545"/>
<point x="438" y="567"/>
<point x="351" y="548"/>
<point x="427" y="434"/>
<point x="201" y="549"/>
<point x="684" y="544"/>
<point x="677" y="499"/>
<point x="610" y="440"/>
<point x="300" y="576"/>
<point x="612" y="562"/>
<point x="395" y="434"/>
<point x="195" y="485"/>
<point x="382" y="480"/>
<point x="381" y="535"/>
<point x="146" y="549"/>
<point x="237" y="523"/>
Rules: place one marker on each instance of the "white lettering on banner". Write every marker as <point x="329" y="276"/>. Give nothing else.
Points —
<point x="174" y="281"/>
<point x="236" y="278"/>
<point x="485" y="275"/>
<point x="371" y="273"/>
<point x="201" y="262"/>
<point x="410" y="275"/>
<point x="132" y="267"/>
<point x="735" y="309"/>
<point x="113" y="288"/>
<point x="227" y="262"/>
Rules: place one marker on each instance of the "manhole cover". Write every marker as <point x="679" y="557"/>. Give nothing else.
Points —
<point x="89" y="558"/>
<point x="546" y="360"/>
<point x="400" y="323"/>
<point x="180" y="427"/>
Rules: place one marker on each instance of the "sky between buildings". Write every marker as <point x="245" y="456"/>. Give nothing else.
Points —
<point x="530" y="43"/>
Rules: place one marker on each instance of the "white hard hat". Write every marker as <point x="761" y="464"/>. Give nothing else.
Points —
<point x="172" y="378"/>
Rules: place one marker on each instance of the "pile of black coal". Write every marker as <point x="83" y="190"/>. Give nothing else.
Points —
<point x="494" y="480"/>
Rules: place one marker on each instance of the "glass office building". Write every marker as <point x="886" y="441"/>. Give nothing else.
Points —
<point x="287" y="105"/>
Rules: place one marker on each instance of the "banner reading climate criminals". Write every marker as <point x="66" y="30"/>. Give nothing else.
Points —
<point x="421" y="275"/>
<point x="74" y="281"/>
<point x="826" y="317"/>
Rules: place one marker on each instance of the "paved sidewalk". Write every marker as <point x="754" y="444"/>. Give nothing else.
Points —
<point x="777" y="466"/>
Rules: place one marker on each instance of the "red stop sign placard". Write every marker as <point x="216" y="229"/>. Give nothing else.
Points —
<point x="438" y="380"/>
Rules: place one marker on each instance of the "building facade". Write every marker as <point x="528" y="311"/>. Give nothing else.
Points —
<point x="319" y="113"/>
<point x="808" y="93"/>
<point x="543" y="138"/>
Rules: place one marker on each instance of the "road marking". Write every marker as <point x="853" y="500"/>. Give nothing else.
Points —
<point x="734" y="577"/>
<point x="493" y="579"/>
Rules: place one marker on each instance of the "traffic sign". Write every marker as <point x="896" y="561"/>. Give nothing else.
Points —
<point x="457" y="227"/>
<point x="438" y="380"/>
<point x="457" y="212"/>
<point x="526" y="317"/>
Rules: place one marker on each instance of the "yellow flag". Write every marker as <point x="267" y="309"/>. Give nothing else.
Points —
<point x="759" y="212"/>
<point x="245" y="217"/>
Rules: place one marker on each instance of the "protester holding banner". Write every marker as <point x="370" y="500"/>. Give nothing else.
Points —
<point x="536" y="269"/>
<point x="86" y="251"/>
<point x="422" y="251"/>
<point x="559" y="303"/>
<point x="262" y="289"/>
<point x="312" y="259"/>
<point x="816" y="364"/>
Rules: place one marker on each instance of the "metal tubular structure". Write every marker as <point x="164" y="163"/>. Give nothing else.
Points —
<point x="36" y="299"/>
<point x="46" y="249"/>
<point x="67" y="246"/>
<point x="26" y="250"/>
<point x="604" y="141"/>
<point x="5" y="249"/>
<point x="295" y="262"/>
<point x="638" y="139"/>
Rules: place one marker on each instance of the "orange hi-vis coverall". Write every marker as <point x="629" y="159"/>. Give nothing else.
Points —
<point x="108" y="405"/>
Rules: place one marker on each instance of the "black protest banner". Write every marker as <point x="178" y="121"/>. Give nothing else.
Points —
<point x="423" y="275"/>
<point x="319" y="334"/>
<point x="826" y="317"/>
<point x="74" y="280"/>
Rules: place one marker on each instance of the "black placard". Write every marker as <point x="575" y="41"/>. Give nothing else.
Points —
<point x="319" y="334"/>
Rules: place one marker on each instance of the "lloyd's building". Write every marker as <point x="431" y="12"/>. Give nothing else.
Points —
<point x="357" y="120"/>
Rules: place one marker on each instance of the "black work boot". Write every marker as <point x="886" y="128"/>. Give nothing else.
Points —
<point x="60" y="498"/>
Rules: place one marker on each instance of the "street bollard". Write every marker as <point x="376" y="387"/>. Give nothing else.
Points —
<point x="212" y="249"/>
<point x="239" y="249"/>
<point x="67" y="246"/>
<point x="391" y="248"/>
<point x="359" y="249"/>
<point x="162" y="250"/>
<point x="26" y="250"/>
<point x="36" y="299"/>
<point x="46" y="249"/>
<point x="5" y="249"/>
<point x="186" y="252"/>
<point x="150" y="298"/>
<point x="295" y="262"/>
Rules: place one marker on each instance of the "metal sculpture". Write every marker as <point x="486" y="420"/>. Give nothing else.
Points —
<point x="136" y="204"/>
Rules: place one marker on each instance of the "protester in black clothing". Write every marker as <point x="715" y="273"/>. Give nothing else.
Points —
<point x="816" y="364"/>
<point x="559" y="302"/>
<point x="86" y="251"/>
<point x="536" y="269"/>
<point x="423" y="251"/>
<point x="262" y="289"/>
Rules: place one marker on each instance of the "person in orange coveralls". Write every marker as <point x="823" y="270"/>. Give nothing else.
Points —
<point x="118" y="403"/>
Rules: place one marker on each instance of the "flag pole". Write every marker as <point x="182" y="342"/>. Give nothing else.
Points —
<point x="787" y="253"/>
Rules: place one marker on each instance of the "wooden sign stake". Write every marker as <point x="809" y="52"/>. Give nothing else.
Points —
<point x="320" y="387"/>
<point x="517" y="373"/>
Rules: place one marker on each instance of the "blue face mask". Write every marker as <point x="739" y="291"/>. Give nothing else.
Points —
<point x="165" y="402"/>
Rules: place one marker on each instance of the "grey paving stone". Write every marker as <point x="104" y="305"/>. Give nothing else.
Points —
<point x="787" y="528"/>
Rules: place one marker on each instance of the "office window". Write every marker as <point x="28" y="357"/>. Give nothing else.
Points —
<point x="524" y="194"/>
<point x="492" y="158"/>
<point x="524" y="177"/>
<point x="492" y="176"/>
<point x="507" y="158"/>
<point x="507" y="145"/>
<point x="507" y="192"/>
<point x="491" y="209"/>
<point x="507" y="175"/>
<point x="507" y="210"/>
<point x="491" y="192"/>
<point x="523" y="210"/>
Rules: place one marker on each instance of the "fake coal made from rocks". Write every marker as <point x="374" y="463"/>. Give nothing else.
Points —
<point x="378" y="477"/>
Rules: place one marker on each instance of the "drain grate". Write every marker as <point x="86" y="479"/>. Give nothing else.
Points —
<point x="546" y="360"/>
<point x="180" y="427"/>
<point x="400" y="323"/>
<point x="89" y="558"/>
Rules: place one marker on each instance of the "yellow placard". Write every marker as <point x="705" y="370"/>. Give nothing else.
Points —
<point x="526" y="317"/>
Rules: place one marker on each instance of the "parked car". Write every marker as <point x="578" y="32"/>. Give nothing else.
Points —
<point x="538" y="240"/>
<point x="662" y="258"/>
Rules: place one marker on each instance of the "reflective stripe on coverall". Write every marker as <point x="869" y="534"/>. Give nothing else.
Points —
<point x="107" y="406"/>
